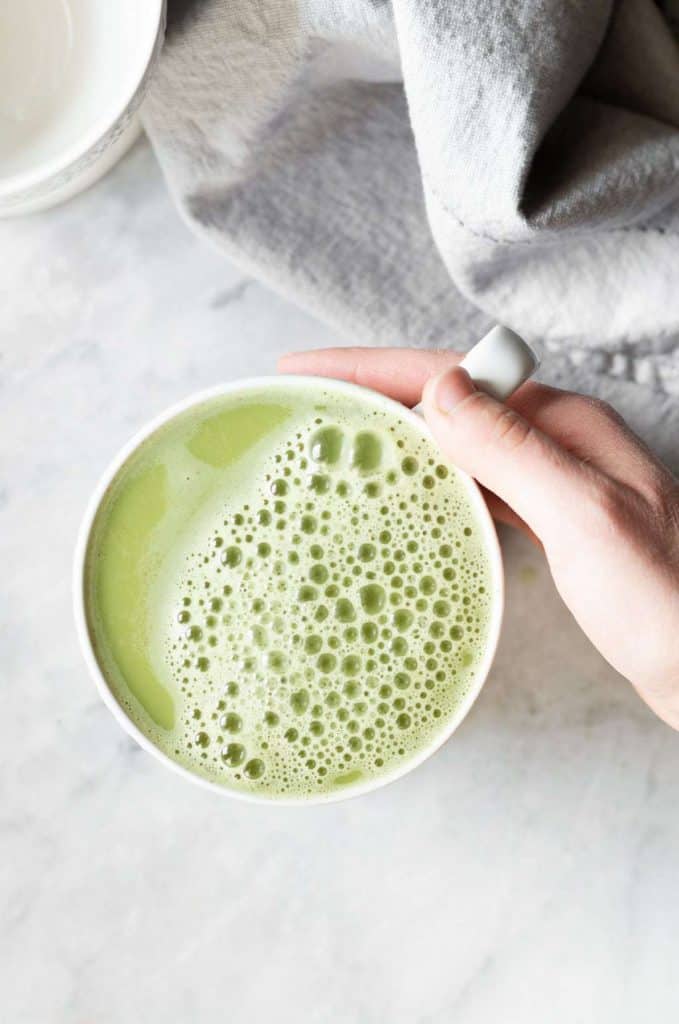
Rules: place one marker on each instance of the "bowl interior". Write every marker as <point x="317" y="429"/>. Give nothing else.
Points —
<point x="68" y="69"/>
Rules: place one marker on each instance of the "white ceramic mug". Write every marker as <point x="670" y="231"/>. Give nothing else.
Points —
<point x="72" y="76"/>
<point x="503" y="377"/>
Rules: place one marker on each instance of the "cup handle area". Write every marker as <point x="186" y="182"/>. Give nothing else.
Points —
<point x="499" y="363"/>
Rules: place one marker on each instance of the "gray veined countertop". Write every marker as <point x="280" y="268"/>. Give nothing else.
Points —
<point x="527" y="873"/>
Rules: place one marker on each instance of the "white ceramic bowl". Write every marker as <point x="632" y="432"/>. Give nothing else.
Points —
<point x="72" y="76"/>
<point x="275" y="384"/>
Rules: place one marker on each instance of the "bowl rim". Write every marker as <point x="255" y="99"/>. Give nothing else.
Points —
<point x="233" y="388"/>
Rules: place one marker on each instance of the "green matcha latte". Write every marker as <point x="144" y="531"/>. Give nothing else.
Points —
<point x="288" y="591"/>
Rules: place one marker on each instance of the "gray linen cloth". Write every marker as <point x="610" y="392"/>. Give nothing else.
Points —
<point x="413" y="171"/>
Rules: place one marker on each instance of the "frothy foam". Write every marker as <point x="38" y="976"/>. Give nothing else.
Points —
<point x="318" y="616"/>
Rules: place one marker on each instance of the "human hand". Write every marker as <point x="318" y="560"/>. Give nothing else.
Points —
<point x="567" y="470"/>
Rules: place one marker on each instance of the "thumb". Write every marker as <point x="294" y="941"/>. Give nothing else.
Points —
<point x="503" y="451"/>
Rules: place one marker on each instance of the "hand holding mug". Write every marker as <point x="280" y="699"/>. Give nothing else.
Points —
<point x="567" y="470"/>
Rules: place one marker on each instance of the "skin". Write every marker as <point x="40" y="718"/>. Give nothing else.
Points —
<point x="568" y="471"/>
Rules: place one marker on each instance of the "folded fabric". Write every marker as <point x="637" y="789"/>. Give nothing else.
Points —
<point x="412" y="171"/>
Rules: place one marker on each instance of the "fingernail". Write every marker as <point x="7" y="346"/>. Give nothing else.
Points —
<point x="451" y="387"/>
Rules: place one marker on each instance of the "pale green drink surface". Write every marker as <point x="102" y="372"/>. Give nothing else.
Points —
<point x="288" y="592"/>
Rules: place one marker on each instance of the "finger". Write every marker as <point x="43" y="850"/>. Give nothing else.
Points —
<point x="589" y="429"/>
<point x="400" y="373"/>
<point x="505" y="452"/>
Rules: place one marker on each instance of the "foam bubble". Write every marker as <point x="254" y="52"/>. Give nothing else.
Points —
<point x="326" y="445"/>
<point x="366" y="452"/>
<point x="373" y="598"/>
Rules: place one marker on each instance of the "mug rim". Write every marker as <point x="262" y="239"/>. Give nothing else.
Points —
<point x="46" y="170"/>
<point x="98" y="676"/>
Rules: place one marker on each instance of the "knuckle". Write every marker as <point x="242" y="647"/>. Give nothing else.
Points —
<point x="617" y="513"/>
<point x="510" y="431"/>
<point x="359" y="372"/>
<point x="661" y="495"/>
<point x="605" y="411"/>
<point x="606" y="509"/>
<point x="653" y="490"/>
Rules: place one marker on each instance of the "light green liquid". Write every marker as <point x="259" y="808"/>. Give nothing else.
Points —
<point x="288" y="593"/>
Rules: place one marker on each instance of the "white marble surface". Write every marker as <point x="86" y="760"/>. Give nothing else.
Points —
<point x="528" y="873"/>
